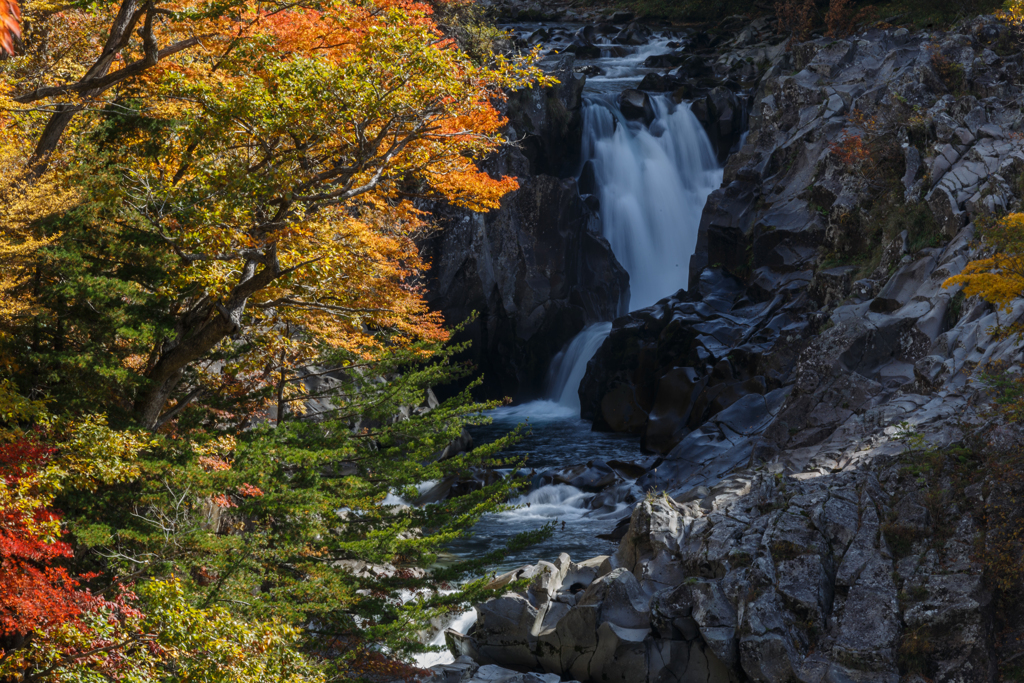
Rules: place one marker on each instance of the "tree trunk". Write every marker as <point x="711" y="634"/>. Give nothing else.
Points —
<point x="120" y="33"/>
<point x="215" y="322"/>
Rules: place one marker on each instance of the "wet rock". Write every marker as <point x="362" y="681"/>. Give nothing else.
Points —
<point x="633" y="34"/>
<point x="722" y="117"/>
<point x="635" y="104"/>
<point x="620" y="599"/>
<point x="583" y="49"/>
<point x="665" y="61"/>
<point x="657" y="83"/>
<point x="669" y="418"/>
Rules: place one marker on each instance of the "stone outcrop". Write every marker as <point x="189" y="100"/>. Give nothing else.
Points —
<point x="798" y="524"/>
<point x="535" y="270"/>
<point x="856" y="568"/>
<point x="760" y="292"/>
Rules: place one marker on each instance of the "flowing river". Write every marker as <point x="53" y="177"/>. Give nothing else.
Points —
<point x="652" y="183"/>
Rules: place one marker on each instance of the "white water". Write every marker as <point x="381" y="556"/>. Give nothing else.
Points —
<point x="569" y="366"/>
<point x="461" y="624"/>
<point x="652" y="184"/>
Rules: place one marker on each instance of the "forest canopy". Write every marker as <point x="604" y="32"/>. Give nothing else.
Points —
<point x="208" y="224"/>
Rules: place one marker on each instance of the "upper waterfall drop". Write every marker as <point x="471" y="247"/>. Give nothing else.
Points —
<point x="652" y="184"/>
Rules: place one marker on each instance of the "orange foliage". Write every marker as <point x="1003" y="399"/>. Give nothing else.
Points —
<point x="868" y="147"/>
<point x="10" y="25"/>
<point x="999" y="277"/>
<point x="850" y="150"/>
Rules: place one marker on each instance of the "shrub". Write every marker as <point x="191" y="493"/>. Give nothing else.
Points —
<point x="795" y="17"/>
<point x="841" y="19"/>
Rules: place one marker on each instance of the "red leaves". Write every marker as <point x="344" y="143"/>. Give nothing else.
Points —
<point x="850" y="150"/>
<point x="34" y="593"/>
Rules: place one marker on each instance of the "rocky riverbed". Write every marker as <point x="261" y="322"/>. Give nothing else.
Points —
<point x="806" y="517"/>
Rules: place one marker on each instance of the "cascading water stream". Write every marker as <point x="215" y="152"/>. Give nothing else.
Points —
<point x="569" y="366"/>
<point x="652" y="184"/>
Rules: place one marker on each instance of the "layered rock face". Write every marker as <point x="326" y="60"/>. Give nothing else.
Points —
<point x="797" y="525"/>
<point x="766" y="578"/>
<point x="761" y="289"/>
<point x="535" y="270"/>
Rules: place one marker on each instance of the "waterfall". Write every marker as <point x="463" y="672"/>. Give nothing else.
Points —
<point x="569" y="366"/>
<point x="652" y="184"/>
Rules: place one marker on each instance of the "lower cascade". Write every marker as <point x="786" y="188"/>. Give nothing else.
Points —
<point x="568" y="367"/>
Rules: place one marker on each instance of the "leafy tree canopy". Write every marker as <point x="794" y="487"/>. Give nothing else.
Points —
<point x="217" y="358"/>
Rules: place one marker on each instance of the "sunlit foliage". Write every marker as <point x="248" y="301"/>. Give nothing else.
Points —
<point x="247" y="176"/>
<point x="998" y="278"/>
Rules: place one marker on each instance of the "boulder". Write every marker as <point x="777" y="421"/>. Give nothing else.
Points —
<point x="658" y="83"/>
<point x="635" y="104"/>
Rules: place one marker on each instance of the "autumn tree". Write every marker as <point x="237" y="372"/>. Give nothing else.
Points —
<point x="211" y="220"/>
<point x="40" y="456"/>
<point x="999" y="277"/>
<point x="255" y="198"/>
<point x="842" y="17"/>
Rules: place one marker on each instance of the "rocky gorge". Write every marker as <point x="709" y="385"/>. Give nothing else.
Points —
<point x="814" y="502"/>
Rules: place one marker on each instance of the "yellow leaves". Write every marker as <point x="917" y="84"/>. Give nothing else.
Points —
<point x="90" y="453"/>
<point x="993" y="279"/>
<point x="1012" y="12"/>
<point x="211" y="645"/>
<point x="999" y="278"/>
<point x="23" y="200"/>
<point x="158" y="635"/>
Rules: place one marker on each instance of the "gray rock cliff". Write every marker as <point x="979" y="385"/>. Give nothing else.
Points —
<point x="825" y="506"/>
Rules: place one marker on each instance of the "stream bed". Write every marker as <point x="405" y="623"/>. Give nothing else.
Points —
<point x="651" y="181"/>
